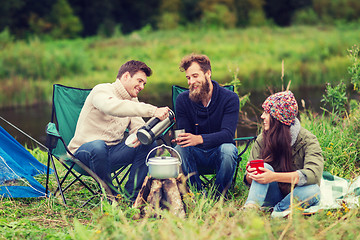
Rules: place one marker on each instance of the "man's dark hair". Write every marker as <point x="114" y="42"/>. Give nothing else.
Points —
<point x="133" y="67"/>
<point x="202" y="60"/>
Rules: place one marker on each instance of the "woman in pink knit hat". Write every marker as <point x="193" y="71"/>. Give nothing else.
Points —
<point x="292" y="157"/>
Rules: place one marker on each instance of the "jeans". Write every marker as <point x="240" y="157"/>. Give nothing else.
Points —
<point x="270" y="195"/>
<point x="222" y="159"/>
<point x="103" y="160"/>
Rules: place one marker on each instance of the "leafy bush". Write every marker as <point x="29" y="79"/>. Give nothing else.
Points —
<point x="41" y="60"/>
<point x="336" y="98"/>
<point x="305" y="16"/>
<point x="219" y="16"/>
<point x="5" y="38"/>
<point x="354" y="69"/>
<point x="65" y="23"/>
<point x="340" y="141"/>
<point x="257" y="18"/>
<point x="168" y="21"/>
<point x="331" y="10"/>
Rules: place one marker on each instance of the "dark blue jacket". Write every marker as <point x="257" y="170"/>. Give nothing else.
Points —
<point x="215" y="123"/>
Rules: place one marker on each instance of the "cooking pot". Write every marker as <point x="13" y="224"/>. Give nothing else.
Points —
<point x="163" y="167"/>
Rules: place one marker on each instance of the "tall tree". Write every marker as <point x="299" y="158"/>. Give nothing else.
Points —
<point x="65" y="23"/>
<point x="281" y="11"/>
<point x="16" y="14"/>
<point x="93" y="13"/>
<point x="190" y="11"/>
<point x="7" y="12"/>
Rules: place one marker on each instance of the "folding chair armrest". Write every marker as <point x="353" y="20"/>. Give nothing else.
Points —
<point x="248" y="139"/>
<point x="245" y="138"/>
<point x="52" y="132"/>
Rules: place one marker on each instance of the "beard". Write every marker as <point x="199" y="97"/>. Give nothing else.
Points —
<point x="197" y="95"/>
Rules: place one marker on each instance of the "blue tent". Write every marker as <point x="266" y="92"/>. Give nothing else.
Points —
<point x="17" y="165"/>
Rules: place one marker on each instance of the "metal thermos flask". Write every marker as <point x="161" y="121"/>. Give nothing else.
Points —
<point x="153" y="128"/>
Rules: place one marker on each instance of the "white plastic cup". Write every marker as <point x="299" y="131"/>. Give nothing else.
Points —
<point x="130" y="139"/>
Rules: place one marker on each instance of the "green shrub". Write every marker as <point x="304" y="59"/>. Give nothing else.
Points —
<point x="65" y="23"/>
<point x="168" y="21"/>
<point x="305" y="16"/>
<point x="339" y="141"/>
<point x="336" y="98"/>
<point x="257" y="18"/>
<point x="354" y="69"/>
<point x="219" y="16"/>
<point x="5" y="38"/>
<point x="331" y="10"/>
<point x="42" y="60"/>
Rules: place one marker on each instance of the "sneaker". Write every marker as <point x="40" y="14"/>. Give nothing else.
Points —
<point x="267" y="209"/>
<point x="250" y="206"/>
<point x="276" y="214"/>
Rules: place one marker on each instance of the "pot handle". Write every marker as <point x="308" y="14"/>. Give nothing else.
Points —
<point x="162" y="145"/>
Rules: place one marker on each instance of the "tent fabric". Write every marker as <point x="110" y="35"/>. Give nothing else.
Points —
<point x="16" y="163"/>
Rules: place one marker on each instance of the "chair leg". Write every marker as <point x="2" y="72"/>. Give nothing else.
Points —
<point x="82" y="182"/>
<point x="236" y="172"/>
<point x="64" y="178"/>
<point x="77" y="178"/>
<point x="123" y="178"/>
<point x="91" y="198"/>
<point x="208" y="181"/>
<point x="47" y="178"/>
<point x="57" y="178"/>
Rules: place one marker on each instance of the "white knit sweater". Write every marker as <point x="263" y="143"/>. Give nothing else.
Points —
<point x="107" y="112"/>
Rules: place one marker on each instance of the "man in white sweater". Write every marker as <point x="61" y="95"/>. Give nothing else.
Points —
<point x="108" y="111"/>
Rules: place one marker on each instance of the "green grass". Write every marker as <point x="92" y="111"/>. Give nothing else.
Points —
<point x="312" y="56"/>
<point x="256" y="56"/>
<point x="205" y="218"/>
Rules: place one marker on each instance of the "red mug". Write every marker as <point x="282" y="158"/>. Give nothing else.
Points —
<point x="256" y="164"/>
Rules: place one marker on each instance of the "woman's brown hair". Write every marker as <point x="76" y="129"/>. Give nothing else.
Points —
<point x="277" y="146"/>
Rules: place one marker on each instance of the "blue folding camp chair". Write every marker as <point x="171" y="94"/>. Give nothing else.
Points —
<point x="207" y="176"/>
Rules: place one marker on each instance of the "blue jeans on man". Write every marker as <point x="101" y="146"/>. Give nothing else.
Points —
<point x="103" y="160"/>
<point x="269" y="195"/>
<point x="222" y="159"/>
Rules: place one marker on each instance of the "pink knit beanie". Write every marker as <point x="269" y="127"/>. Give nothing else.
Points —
<point x="282" y="106"/>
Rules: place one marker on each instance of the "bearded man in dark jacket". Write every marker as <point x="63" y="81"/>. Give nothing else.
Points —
<point x="209" y="115"/>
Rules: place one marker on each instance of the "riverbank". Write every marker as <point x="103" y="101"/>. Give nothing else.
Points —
<point x="33" y="119"/>
<point x="312" y="56"/>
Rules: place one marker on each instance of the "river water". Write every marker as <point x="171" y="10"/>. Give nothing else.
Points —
<point x="33" y="120"/>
